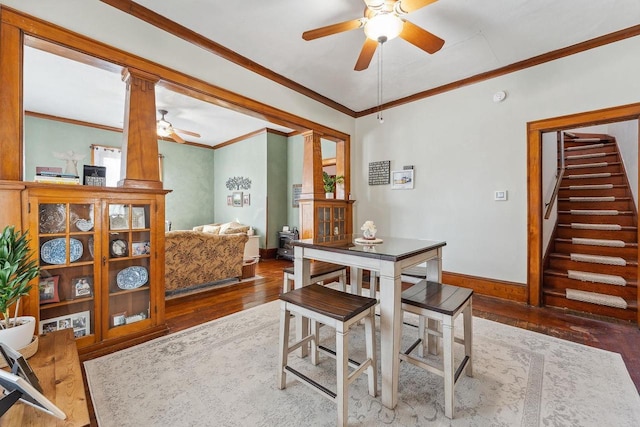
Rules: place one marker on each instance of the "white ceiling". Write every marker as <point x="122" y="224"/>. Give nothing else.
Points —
<point x="479" y="36"/>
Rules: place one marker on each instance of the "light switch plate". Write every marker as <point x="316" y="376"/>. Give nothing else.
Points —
<point x="500" y="195"/>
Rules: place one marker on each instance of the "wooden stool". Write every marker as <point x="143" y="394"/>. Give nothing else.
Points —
<point x="339" y="310"/>
<point x="442" y="303"/>
<point x="320" y="272"/>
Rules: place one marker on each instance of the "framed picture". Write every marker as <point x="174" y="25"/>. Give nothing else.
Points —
<point x="229" y="200"/>
<point x="402" y="180"/>
<point x="118" y="217"/>
<point x="80" y="322"/>
<point x="246" y="199"/>
<point x="138" y="218"/>
<point x="119" y="318"/>
<point x="82" y="287"/>
<point x="49" y="289"/>
<point x="296" y="192"/>
<point x="140" y="248"/>
<point x="95" y="175"/>
<point x="237" y="199"/>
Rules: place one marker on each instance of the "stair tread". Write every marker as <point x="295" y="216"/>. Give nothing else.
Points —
<point x="567" y="256"/>
<point x="627" y="244"/>
<point x="632" y="304"/>
<point x="565" y="274"/>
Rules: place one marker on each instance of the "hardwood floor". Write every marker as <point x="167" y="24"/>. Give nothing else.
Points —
<point x="616" y="336"/>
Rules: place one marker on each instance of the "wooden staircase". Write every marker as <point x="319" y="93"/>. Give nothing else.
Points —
<point x="592" y="262"/>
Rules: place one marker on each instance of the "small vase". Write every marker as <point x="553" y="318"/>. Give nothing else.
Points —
<point x="369" y="234"/>
<point x="20" y="336"/>
<point x="328" y="195"/>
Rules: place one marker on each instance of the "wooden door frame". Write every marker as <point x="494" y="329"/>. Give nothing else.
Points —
<point x="534" y="180"/>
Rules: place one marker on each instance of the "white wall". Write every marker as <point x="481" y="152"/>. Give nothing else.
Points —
<point x="626" y="134"/>
<point x="464" y="147"/>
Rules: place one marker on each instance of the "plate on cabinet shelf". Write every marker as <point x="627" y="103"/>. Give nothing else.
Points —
<point x="55" y="251"/>
<point x="52" y="218"/>
<point x="132" y="277"/>
<point x="84" y="224"/>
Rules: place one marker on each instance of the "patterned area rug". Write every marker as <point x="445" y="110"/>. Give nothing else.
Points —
<point x="223" y="373"/>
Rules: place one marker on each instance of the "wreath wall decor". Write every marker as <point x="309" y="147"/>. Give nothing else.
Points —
<point x="238" y="183"/>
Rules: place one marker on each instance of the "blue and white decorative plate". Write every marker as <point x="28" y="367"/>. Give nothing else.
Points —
<point x="55" y="251"/>
<point x="132" y="277"/>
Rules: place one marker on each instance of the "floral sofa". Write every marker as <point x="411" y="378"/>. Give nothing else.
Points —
<point x="194" y="259"/>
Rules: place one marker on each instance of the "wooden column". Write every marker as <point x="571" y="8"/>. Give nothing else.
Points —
<point x="312" y="187"/>
<point x="11" y="50"/>
<point x="140" y="166"/>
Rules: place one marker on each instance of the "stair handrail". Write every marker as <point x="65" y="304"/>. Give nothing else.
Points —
<point x="559" y="176"/>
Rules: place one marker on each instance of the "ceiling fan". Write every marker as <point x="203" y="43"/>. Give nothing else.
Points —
<point x="383" y="20"/>
<point x="166" y="129"/>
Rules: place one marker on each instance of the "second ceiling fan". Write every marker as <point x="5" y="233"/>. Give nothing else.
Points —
<point x="166" y="129"/>
<point x="382" y="21"/>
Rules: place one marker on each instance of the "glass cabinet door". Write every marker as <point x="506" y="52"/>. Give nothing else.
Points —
<point x="66" y="235"/>
<point x="128" y="266"/>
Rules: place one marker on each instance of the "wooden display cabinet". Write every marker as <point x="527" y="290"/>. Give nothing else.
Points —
<point x="327" y="220"/>
<point x="101" y="255"/>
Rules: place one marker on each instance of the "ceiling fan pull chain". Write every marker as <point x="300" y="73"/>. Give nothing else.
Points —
<point x="380" y="61"/>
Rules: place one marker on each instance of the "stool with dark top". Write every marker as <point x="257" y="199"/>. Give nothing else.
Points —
<point x="320" y="273"/>
<point x="340" y="311"/>
<point x="443" y="304"/>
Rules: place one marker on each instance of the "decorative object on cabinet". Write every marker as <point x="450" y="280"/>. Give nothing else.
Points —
<point x="55" y="251"/>
<point x="246" y="199"/>
<point x="80" y="322"/>
<point x="52" y="218"/>
<point x="82" y="287"/>
<point x="71" y="158"/>
<point x="132" y="277"/>
<point x="118" y="248"/>
<point x="49" y="289"/>
<point x="140" y="248"/>
<point x="238" y="183"/>
<point x="138" y="218"/>
<point x="329" y="184"/>
<point x="84" y="224"/>
<point x="95" y="175"/>
<point x="119" y="319"/>
<point x="402" y="180"/>
<point x="379" y="172"/>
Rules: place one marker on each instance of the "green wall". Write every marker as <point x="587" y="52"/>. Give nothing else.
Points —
<point x="248" y="159"/>
<point x="277" y="187"/>
<point x="188" y="170"/>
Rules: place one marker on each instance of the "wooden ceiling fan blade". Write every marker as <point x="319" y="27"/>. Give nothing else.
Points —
<point x="421" y="38"/>
<point x="187" y="132"/>
<point x="176" y="137"/>
<point x="333" y="29"/>
<point x="366" y="54"/>
<point x="407" y="6"/>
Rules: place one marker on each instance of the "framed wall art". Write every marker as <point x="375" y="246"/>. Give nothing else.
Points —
<point x="246" y="199"/>
<point x="402" y="180"/>
<point x="237" y="199"/>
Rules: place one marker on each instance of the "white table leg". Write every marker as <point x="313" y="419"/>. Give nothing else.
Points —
<point x="302" y="277"/>
<point x="355" y="280"/>
<point x="390" y="332"/>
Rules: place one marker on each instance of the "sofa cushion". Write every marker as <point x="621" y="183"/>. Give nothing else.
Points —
<point x="227" y="225"/>
<point x="236" y="230"/>
<point x="209" y="228"/>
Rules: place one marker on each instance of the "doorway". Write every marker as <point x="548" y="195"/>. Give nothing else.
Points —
<point x="535" y="199"/>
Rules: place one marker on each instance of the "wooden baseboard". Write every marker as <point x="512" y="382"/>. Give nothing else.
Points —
<point x="268" y="253"/>
<point x="490" y="287"/>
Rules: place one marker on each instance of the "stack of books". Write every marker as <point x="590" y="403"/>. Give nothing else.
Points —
<point x="53" y="175"/>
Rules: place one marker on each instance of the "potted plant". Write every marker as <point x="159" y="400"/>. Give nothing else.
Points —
<point x="329" y="182"/>
<point x="17" y="269"/>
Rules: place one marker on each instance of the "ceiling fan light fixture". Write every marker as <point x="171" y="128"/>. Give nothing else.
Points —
<point x="375" y="4"/>
<point x="383" y="27"/>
